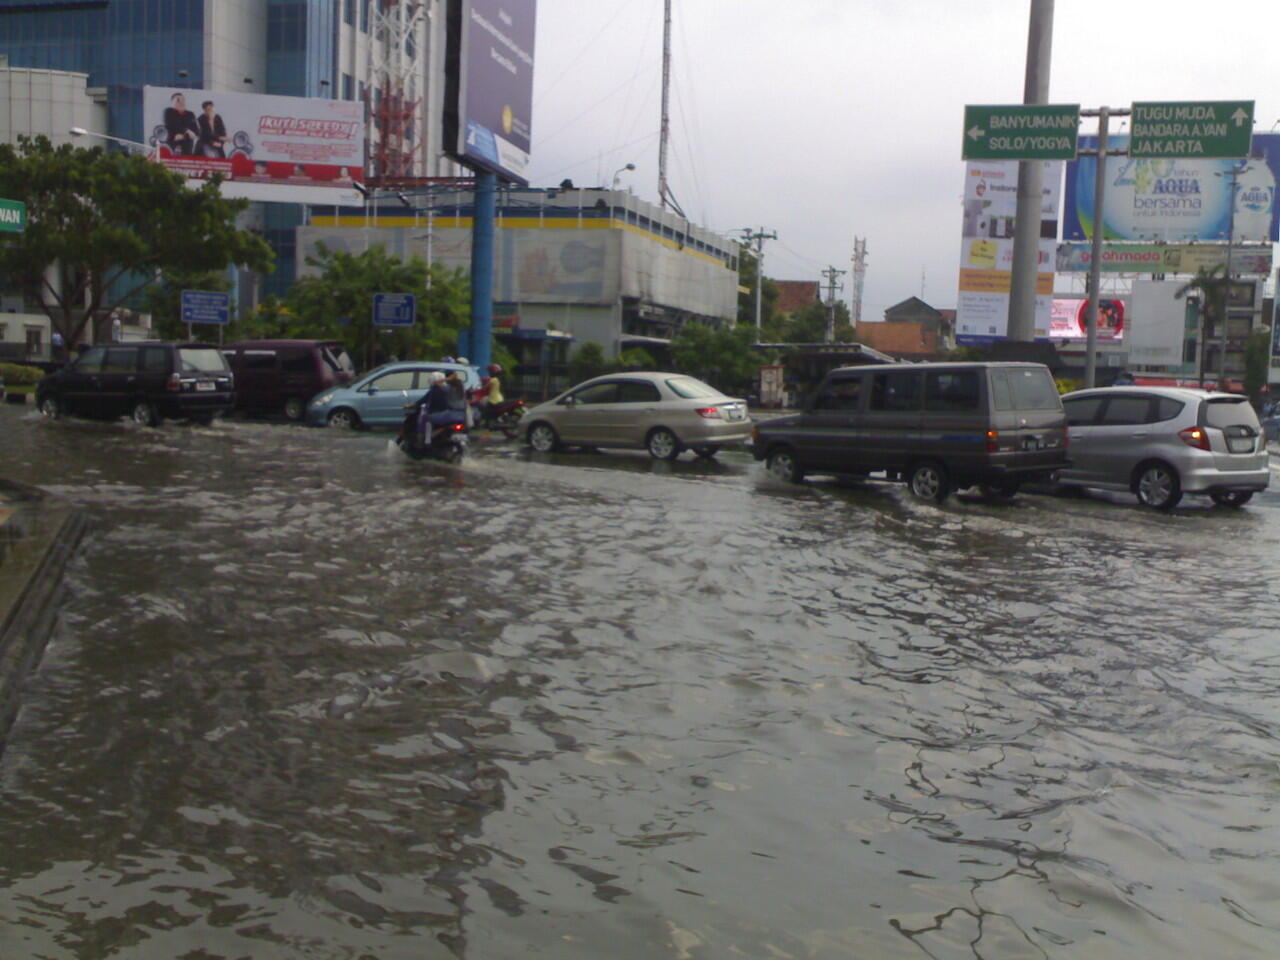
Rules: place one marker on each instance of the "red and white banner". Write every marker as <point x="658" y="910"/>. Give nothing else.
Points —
<point x="282" y="149"/>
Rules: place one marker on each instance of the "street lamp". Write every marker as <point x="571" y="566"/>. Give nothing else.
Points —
<point x="619" y="171"/>
<point x="82" y="132"/>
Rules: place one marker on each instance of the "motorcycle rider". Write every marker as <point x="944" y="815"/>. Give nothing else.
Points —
<point x="436" y="411"/>
<point x="492" y="389"/>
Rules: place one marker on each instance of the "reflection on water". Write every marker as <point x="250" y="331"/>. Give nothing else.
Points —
<point x="311" y="699"/>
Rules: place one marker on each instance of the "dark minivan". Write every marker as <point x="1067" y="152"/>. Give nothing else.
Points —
<point x="147" y="380"/>
<point x="938" y="426"/>
<point x="280" y="376"/>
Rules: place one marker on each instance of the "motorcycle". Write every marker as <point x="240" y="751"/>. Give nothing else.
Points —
<point x="447" y="443"/>
<point x="505" y="417"/>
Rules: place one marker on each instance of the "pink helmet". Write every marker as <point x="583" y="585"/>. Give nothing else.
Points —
<point x="494" y="369"/>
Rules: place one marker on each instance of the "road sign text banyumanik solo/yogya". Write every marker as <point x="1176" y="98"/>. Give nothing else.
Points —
<point x="1181" y="129"/>
<point x="1034" y="131"/>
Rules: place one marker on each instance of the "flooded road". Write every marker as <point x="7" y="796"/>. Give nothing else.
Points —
<point x="310" y="699"/>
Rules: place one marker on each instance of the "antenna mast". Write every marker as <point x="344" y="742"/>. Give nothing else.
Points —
<point x="665" y="129"/>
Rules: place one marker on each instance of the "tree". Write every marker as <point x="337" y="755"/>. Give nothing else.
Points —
<point x="809" y="325"/>
<point x="1209" y="286"/>
<point x="102" y="227"/>
<point x="587" y="361"/>
<point x="338" y="303"/>
<point x="1257" y="364"/>
<point x="722" y="357"/>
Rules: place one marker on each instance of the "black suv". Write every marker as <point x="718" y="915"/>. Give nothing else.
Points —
<point x="148" y="381"/>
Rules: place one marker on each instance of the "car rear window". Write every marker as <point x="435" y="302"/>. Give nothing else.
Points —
<point x="1127" y="411"/>
<point x="1229" y="412"/>
<point x="1034" y="389"/>
<point x="1081" y="410"/>
<point x="896" y="391"/>
<point x="201" y="360"/>
<point x="297" y="361"/>
<point x="337" y="358"/>
<point x="690" y="388"/>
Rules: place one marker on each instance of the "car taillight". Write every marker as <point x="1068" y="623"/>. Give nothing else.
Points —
<point x="174" y="384"/>
<point x="993" y="441"/>
<point x="1194" y="437"/>
<point x="458" y="426"/>
<point x="709" y="413"/>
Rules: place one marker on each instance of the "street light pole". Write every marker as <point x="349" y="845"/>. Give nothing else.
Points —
<point x="82" y="132"/>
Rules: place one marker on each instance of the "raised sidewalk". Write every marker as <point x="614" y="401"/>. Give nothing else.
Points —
<point x="38" y="537"/>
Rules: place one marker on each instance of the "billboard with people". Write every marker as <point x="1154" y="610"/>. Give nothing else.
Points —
<point x="282" y="149"/>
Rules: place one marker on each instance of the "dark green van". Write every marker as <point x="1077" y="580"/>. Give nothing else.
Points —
<point x="936" y="426"/>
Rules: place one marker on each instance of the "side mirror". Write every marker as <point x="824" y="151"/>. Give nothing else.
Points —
<point x="568" y="401"/>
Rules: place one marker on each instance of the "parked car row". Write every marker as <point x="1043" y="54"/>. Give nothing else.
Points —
<point x="937" y="426"/>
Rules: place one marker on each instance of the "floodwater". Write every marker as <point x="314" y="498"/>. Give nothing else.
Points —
<point x="310" y="699"/>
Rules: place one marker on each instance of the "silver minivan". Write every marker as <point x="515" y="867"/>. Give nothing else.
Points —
<point x="1162" y="442"/>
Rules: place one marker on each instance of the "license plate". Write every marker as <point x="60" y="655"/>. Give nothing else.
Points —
<point x="735" y="413"/>
<point x="206" y="385"/>
<point x="1240" y="444"/>
<point x="1031" y="443"/>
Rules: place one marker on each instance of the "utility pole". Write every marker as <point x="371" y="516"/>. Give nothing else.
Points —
<point x="1237" y="168"/>
<point x="759" y="237"/>
<point x="830" y="274"/>
<point x="859" y="276"/>
<point x="1026" y="229"/>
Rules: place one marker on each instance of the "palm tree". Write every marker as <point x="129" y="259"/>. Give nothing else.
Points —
<point x="1209" y="289"/>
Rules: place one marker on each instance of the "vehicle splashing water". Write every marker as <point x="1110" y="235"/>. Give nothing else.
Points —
<point x="308" y="699"/>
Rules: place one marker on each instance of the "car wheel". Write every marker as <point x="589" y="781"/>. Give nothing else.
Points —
<point x="783" y="465"/>
<point x="707" y="450"/>
<point x="1158" y="487"/>
<point x="295" y="408"/>
<point x="1232" y="498"/>
<point x="344" y="418"/>
<point x="454" y="454"/>
<point x="662" y="444"/>
<point x="929" y="481"/>
<point x="50" y="407"/>
<point x="542" y="437"/>
<point x="144" y="413"/>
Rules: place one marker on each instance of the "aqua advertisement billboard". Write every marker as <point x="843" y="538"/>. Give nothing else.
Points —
<point x="489" y="85"/>
<point x="1166" y="200"/>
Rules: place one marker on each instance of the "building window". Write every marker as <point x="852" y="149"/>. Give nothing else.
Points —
<point x="349" y="12"/>
<point x="364" y="15"/>
<point x="348" y="86"/>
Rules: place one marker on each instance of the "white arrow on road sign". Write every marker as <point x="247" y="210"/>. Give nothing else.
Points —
<point x="976" y="132"/>
<point x="1239" y="116"/>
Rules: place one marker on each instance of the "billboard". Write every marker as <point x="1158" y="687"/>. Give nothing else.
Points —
<point x="1069" y="318"/>
<point x="489" y="85"/>
<point x="282" y="149"/>
<point x="1163" y="258"/>
<point x="986" y="255"/>
<point x="1174" y="200"/>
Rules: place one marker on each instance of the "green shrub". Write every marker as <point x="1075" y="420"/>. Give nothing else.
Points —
<point x="19" y="375"/>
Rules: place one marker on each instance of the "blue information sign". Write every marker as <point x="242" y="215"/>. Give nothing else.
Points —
<point x="394" y="309"/>
<point x="203" y="306"/>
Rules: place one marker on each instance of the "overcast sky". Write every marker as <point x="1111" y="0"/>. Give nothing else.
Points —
<point x="824" y="120"/>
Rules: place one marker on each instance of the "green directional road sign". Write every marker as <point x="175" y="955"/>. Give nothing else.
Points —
<point x="1210" y="128"/>
<point x="1041" y="131"/>
<point x="13" y="216"/>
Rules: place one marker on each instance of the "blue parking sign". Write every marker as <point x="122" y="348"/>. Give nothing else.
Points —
<point x="205" y="306"/>
<point x="394" y="309"/>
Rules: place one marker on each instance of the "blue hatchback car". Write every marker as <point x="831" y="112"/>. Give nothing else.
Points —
<point x="377" y="399"/>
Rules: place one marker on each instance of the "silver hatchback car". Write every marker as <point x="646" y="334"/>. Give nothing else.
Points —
<point x="663" y="413"/>
<point x="1162" y="442"/>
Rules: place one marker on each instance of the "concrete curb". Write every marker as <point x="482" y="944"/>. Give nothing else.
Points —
<point x="37" y="540"/>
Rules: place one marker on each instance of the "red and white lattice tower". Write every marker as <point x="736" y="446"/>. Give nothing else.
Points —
<point x="395" y="93"/>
